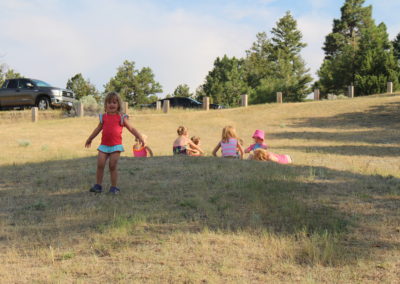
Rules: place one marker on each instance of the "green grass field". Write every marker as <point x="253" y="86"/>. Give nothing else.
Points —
<point x="333" y="216"/>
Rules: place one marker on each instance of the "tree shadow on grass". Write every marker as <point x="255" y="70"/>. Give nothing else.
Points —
<point x="372" y="136"/>
<point x="49" y="204"/>
<point x="378" y="125"/>
<point x="383" y="116"/>
<point x="349" y="150"/>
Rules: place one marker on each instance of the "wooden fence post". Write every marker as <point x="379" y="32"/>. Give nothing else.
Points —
<point x="166" y="106"/>
<point x="35" y="114"/>
<point x="158" y="105"/>
<point x="390" y="87"/>
<point x="125" y="107"/>
<point x="351" y="91"/>
<point x="80" y="111"/>
<point x="244" y="101"/>
<point x="206" y="103"/>
<point x="316" y="95"/>
<point x="279" y="97"/>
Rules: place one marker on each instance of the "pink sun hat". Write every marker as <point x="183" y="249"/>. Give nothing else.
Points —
<point x="259" y="134"/>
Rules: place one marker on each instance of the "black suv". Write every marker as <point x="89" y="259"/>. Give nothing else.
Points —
<point x="183" y="102"/>
<point x="24" y="92"/>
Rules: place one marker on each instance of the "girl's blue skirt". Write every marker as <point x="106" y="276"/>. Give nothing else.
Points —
<point x="111" y="149"/>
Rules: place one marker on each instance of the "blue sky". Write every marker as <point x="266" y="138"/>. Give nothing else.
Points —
<point x="53" y="40"/>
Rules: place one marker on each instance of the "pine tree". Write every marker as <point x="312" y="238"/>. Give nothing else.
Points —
<point x="276" y="65"/>
<point x="356" y="52"/>
<point x="134" y="86"/>
<point x="258" y="62"/>
<point x="376" y="62"/>
<point x="396" y="47"/>
<point x="82" y="87"/>
<point x="289" y="65"/>
<point x="225" y="83"/>
<point x="182" y="90"/>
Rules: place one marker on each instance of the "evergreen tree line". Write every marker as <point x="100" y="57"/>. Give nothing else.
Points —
<point x="357" y="52"/>
<point x="271" y="65"/>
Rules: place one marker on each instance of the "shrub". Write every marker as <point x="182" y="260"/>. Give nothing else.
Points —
<point x="90" y="106"/>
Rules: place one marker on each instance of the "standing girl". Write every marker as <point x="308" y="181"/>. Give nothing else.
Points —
<point x="229" y="144"/>
<point x="111" y="124"/>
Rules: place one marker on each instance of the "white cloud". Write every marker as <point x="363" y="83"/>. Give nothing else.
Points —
<point x="179" y="46"/>
<point x="55" y="39"/>
<point x="314" y="29"/>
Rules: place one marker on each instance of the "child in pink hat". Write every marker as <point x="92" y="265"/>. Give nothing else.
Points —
<point x="260" y="152"/>
<point x="258" y="137"/>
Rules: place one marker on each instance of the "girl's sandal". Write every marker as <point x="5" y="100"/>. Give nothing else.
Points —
<point x="114" y="190"/>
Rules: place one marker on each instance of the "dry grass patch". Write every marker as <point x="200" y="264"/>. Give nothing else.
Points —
<point x="331" y="217"/>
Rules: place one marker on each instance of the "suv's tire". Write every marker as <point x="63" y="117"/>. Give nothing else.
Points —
<point x="43" y="103"/>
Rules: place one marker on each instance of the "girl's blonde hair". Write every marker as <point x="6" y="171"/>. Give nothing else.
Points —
<point x="181" y="130"/>
<point x="260" y="155"/>
<point x="228" y="132"/>
<point x="111" y="96"/>
<point x="195" y="139"/>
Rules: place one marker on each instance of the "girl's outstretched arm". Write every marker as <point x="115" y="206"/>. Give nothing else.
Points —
<point x="133" y="131"/>
<point x="149" y="150"/>
<point x="240" y="150"/>
<point x="95" y="132"/>
<point x="248" y="149"/>
<point x="214" y="152"/>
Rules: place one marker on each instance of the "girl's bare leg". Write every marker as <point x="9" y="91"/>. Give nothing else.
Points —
<point x="101" y="163"/>
<point x="114" y="157"/>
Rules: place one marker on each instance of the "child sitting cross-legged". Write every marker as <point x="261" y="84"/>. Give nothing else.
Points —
<point x="230" y="144"/>
<point x="258" y="138"/>
<point x="183" y="144"/>
<point x="192" y="151"/>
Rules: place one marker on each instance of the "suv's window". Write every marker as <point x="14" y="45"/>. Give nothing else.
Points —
<point x="41" y="83"/>
<point x="12" y="84"/>
<point x="178" y="102"/>
<point x="184" y="102"/>
<point x="23" y="83"/>
<point x="172" y="102"/>
<point x="193" y="101"/>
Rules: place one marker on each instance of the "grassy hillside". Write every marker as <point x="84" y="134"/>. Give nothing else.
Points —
<point x="333" y="216"/>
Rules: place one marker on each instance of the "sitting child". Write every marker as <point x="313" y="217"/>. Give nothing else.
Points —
<point x="194" y="152"/>
<point x="258" y="138"/>
<point x="264" y="155"/>
<point x="230" y="144"/>
<point x="140" y="150"/>
<point x="182" y="145"/>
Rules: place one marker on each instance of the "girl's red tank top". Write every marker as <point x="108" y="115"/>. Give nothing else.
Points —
<point x="112" y="130"/>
